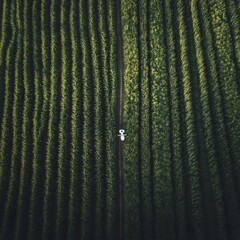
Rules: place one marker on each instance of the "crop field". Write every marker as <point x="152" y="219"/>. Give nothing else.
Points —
<point x="60" y="74"/>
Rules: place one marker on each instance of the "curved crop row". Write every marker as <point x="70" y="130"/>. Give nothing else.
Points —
<point x="27" y="125"/>
<point x="76" y="125"/>
<point x="132" y="172"/>
<point x="176" y="137"/>
<point x="50" y="174"/>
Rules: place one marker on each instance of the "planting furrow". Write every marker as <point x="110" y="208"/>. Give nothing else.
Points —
<point x="111" y="163"/>
<point x="177" y="161"/>
<point x="231" y="97"/>
<point x="144" y="123"/>
<point x="42" y="58"/>
<point x="27" y="126"/>
<point x="132" y="228"/>
<point x="183" y="126"/>
<point x="64" y="131"/>
<point x="76" y="125"/>
<point x="191" y="137"/>
<point x="160" y="122"/>
<point x="99" y="128"/>
<point x="107" y="123"/>
<point x="46" y="69"/>
<point x="199" y="106"/>
<point x="36" y="196"/>
<point x="87" y="210"/>
<point x="49" y="208"/>
<point x="216" y="103"/>
<point x="215" y="198"/>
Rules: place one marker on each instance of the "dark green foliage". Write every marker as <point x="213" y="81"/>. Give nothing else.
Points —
<point x="58" y="120"/>
<point x="176" y="137"/>
<point x="5" y="35"/>
<point x="59" y="103"/>
<point x="51" y="161"/>
<point x="36" y="202"/>
<point x="27" y="126"/>
<point x="64" y="125"/>
<point x="8" y="79"/>
<point x="9" y="213"/>
<point x="213" y="192"/>
<point x="192" y="144"/>
<point x="76" y="126"/>
<point x="132" y="172"/>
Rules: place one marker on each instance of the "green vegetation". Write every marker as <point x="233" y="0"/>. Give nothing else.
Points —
<point x="58" y="120"/>
<point x="59" y="86"/>
<point x="181" y="63"/>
